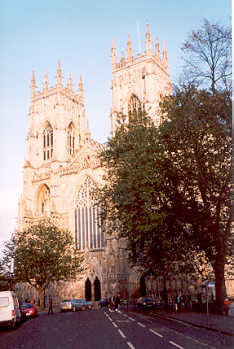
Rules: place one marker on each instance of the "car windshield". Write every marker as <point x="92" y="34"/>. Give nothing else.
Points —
<point x="147" y="299"/>
<point x="27" y="306"/>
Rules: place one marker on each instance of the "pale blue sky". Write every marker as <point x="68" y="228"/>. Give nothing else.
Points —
<point x="35" y="35"/>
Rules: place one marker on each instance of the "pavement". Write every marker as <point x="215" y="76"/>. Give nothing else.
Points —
<point x="219" y="323"/>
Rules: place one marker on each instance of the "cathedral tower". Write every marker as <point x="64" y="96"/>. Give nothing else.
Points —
<point x="60" y="171"/>
<point x="139" y="81"/>
<point x="57" y="122"/>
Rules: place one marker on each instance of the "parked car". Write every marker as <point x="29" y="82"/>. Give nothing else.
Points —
<point x="29" y="310"/>
<point x="79" y="304"/>
<point x="145" y="303"/>
<point x="103" y="302"/>
<point x="65" y="305"/>
<point x="10" y="313"/>
<point x="73" y="304"/>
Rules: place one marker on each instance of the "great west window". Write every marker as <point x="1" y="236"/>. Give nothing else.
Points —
<point x="88" y="231"/>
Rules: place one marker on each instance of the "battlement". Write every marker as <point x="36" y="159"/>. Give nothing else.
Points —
<point x="156" y="54"/>
<point x="58" y="88"/>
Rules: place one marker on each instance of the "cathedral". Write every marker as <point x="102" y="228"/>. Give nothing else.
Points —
<point x="61" y="166"/>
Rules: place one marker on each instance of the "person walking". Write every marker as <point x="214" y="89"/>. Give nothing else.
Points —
<point x="50" y="310"/>
<point x="117" y="302"/>
<point x="226" y="306"/>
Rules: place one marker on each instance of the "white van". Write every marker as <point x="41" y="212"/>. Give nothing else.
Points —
<point x="10" y="313"/>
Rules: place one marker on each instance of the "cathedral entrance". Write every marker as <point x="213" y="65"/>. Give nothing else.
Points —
<point x="97" y="290"/>
<point x="88" y="293"/>
<point x="142" y="286"/>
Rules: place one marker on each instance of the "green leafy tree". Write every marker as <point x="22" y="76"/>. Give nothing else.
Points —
<point x="43" y="253"/>
<point x="135" y="199"/>
<point x="197" y="144"/>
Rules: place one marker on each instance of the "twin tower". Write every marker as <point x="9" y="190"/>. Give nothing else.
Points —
<point x="136" y="80"/>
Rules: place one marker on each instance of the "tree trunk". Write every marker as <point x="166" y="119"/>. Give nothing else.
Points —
<point x="41" y="297"/>
<point x="219" y="281"/>
<point x="165" y="293"/>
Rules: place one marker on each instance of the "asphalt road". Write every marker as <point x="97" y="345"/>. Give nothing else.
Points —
<point x="103" y="329"/>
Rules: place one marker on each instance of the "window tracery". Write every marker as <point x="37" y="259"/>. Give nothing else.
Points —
<point x="134" y="104"/>
<point x="48" y="143"/>
<point x="88" y="230"/>
<point x="45" y="201"/>
<point x="71" y="140"/>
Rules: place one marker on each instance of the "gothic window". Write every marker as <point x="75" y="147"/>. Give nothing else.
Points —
<point x="88" y="230"/>
<point x="48" y="143"/>
<point x="44" y="201"/>
<point x="134" y="104"/>
<point x="71" y="140"/>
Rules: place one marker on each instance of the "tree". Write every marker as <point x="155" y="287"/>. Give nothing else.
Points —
<point x="43" y="253"/>
<point x="135" y="199"/>
<point x="208" y="57"/>
<point x="197" y="142"/>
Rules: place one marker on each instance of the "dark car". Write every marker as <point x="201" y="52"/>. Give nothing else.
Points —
<point x="28" y="310"/>
<point x="145" y="303"/>
<point x="103" y="302"/>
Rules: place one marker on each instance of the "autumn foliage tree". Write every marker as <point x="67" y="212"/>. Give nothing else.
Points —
<point x="43" y="253"/>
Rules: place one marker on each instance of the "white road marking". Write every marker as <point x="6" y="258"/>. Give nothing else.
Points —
<point x="114" y="324"/>
<point x="131" y="318"/>
<point x="122" y="334"/>
<point x="140" y="324"/>
<point x="156" y="333"/>
<point x="176" y="345"/>
<point x="130" y="345"/>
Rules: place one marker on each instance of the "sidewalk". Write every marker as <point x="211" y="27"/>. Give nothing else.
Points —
<point x="218" y="323"/>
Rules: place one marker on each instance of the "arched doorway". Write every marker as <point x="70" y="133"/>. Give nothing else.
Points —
<point x="97" y="290"/>
<point x="142" y="286"/>
<point x="88" y="293"/>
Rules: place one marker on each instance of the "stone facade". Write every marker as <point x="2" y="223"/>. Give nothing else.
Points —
<point x="61" y="168"/>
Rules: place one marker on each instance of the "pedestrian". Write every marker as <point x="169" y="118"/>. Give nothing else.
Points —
<point x="117" y="302"/>
<point x="226" y="306"/>
<point x="50" y="310"/>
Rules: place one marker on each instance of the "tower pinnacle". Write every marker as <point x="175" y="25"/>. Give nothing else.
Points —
<point x="46" y="84"/>
<point x="81" y="91"/>
<point x="122" y="60"/>
<point x="33" y="86"/>
<point x="157" y="48"/>
<point x="130" y="57"/>
<point x="165" y="56"/>
<point x="59" y="75"/>
<point x="148" y="41"/>
<point x="113" y="54"/>
<point x="70" y="82"/>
